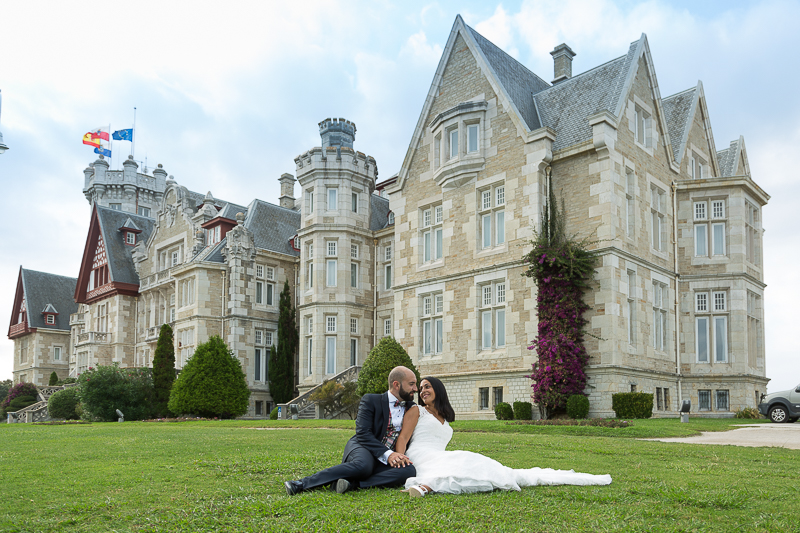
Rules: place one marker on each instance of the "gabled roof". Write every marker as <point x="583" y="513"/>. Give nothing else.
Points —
<point x="44" y="291"/>
<point x="272" y="226"/>
<point x="677" y="109"/>
<point x="229" y="211"/>
<point x="729" y="159"/>
<point x="129" y="224"/>
<point x="49" y="309"/>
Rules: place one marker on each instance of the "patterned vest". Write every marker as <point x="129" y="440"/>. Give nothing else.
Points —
<point x="391" y="435"/>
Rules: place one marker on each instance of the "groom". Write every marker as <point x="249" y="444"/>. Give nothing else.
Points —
<point x="369" y="458"/>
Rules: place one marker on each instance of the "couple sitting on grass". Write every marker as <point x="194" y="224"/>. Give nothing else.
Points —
<point x="398" y="442"/>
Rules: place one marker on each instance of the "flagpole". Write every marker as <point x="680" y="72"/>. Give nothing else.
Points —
<point x="111" y="145"/>
<point x="133" y="133"/>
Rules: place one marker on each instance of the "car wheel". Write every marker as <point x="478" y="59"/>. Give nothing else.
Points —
<point x="778" y="414"/>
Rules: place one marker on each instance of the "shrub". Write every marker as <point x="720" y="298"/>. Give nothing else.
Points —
<point x="27" y="390"/>
<point x="5" y="386"/>
<point x="523" y="411"/>
<point x="374" y="375"/>
<point x="53" y="379"/>
<point x="163" y="371"/>
<point x="577" y="406"/>
<point x="748" y="412"/>
<point x="273" y="415"/>
<point x="334" y="397"/>
<point x="63" y="404"/>
<point x="211" y="384"/>
<point x="66" y="381"/>
<point x="632" y="404"/>
<point x="503" y="411"/>
<point x="105" y="389"/>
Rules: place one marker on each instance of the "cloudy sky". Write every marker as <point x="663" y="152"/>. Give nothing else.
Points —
<point x="226" y="97"/>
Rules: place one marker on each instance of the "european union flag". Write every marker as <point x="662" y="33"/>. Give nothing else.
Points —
<point x="123" y="135"/>
<point x="102" y="151"/>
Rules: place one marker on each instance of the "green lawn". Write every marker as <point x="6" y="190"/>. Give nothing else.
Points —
<point x="225" y="476"/>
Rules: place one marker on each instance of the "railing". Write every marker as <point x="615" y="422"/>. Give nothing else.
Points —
<point x="92" y="337"/>
<point x="155" y="279"/>
<point x="76" y="318"/>
<point x="152" y="333"/>
<point x="36" y="412"/>
<point x="305" y="405"/>
<point x="46" y="392"/>
<point x="17" y="328"/>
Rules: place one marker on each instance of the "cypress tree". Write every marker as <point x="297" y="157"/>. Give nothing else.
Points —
<point x="281" y="367"/>
<point x="163" y="371"/>
<point x="53" y="378"/>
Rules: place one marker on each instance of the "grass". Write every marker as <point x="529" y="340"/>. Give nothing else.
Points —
<point x="225" y="476"/>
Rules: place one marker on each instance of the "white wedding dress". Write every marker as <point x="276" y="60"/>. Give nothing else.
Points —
<point x="455" y="472"/>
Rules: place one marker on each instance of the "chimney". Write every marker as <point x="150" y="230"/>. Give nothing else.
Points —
<point x="287" y="191"/>
<point x="562" y="62"/>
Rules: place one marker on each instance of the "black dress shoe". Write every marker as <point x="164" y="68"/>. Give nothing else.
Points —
<point x="343" y="486"/>
<point x="293" y="487"/>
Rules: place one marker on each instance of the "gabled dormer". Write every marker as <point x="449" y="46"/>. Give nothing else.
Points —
<point x="40" y="290"/>
<point x="129" y="232"/>
<point x="49" y="314"/>
<point x="220" y="225"/>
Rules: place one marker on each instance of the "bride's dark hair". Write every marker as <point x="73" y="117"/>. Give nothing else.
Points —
<point x="441" y="403"/>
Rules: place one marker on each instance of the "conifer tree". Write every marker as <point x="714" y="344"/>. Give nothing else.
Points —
<point x="163" y="371"/>
<point x="53" y="378"/>
<point x="281" y="365"/>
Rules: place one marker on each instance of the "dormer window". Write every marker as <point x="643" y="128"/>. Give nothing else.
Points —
<point x="130" y="238"/>
<point x="50" y="319"/>
<point x="50" y="315"/>
<point x="456" y="143"/>
<point x="129" y="232"/>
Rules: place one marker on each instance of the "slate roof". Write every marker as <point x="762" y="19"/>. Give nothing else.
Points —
<point x="229" y="211"/>
<point x="42" y="290"/>
<point x="379" y="213"/>
<point x="519" y="82"/>
<point x="272" y="226"/>
<point x="567" y="105"/>
<point x="676" y="112"/>
<point x="727" y="159"/>
<point x="120" y="261"/>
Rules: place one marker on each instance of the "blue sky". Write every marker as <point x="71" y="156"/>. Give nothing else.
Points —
<point x="226" y="98"/>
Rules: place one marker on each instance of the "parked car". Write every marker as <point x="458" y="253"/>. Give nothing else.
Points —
<point x="783" y="406"/>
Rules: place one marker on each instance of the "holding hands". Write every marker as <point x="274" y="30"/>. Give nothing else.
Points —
<point x="398" y="460"/>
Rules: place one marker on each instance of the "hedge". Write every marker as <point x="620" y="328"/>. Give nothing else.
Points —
<point x="523" y="411"/>
<point x="503" y="411"/>
<point x="632" y="404"/>
<point x="577" y="406"/>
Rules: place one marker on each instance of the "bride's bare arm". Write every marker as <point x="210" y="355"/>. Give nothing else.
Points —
<point x="409" y="423"/>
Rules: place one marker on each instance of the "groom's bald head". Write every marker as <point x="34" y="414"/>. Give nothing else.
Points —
<point x="402" y="383"/>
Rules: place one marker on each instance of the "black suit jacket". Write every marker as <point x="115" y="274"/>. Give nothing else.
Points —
<point x="371" y="424"/>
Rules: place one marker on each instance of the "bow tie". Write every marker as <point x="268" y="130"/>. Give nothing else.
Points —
<point x="398" y="403"/>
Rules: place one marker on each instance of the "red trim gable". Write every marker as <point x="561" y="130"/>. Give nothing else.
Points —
<point x="225" y="225"/>
<point x="18" y="329"/>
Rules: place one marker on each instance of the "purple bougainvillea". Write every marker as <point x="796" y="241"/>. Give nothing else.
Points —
<point x="562" y="268"/>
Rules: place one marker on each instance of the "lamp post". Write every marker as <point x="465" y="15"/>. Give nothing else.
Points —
<point x="3" y="147"/>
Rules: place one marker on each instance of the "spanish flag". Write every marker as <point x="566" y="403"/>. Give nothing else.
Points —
<point x="92" y="140"/>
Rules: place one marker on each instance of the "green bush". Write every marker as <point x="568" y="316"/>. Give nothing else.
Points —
<point x="523" y="411"/>
<point x="334" y="397"/>
<point x="5" y="386"/>
<point x="503" y="411"/>
<point x="20" y="390"/>
<point x="105" y="389"/>
<point x="577" y="406"/>
<point x="66" y="381"/>
<point x="273" y="415"/>
<point x="211" y="384"/>
<point x="632" y="404"/>
<point x="748" y="412"/>
<point x="163" y="371"/>
<point x="374" y="375"/>
<point x="53" y="379"/>
<point x="64" y="403"/>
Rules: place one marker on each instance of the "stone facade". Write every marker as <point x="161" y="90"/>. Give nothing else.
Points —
<point x="433" y="255"/>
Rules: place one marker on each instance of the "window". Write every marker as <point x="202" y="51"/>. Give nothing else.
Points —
<point x="354" y="251"/>
<point x="711" y="326"/>
<point x="185" y="345"/>
<point x="213" y="235"/>
<point x="330" y="355"/>
<point x="259" y="408"/>
<point x="310" y="201"/>
<point x="144" y="211"/>
<point x="432" y="218"/>
<point x="354" y="202"/>
<point x="333" y="199"/>
<point x="387" y="267"/>
<point x="630" y="205"/>
<point x="643" y="125"/>
<point x="332" y="248"/>
<point x="310" y="266"/>
<point x="453" y="138"/>
<point x="660" y="302"/>
<point x="261" y="358"/>
<point x="353" y="351"/>
<point x="492" y="216"/>
<point x="437" y="150"/>
<point x="492" y="315"/>
<point x="330" y="324"/>
<point x="130" y="238"/>
<point x="354" y="325"/>
<point x="498" y="395"/>
<point x="101" y="320"/>
<point x="713" y="231"/>
<point x="753" y="238"/>
<point x="50" y="319"/>
<point x="172" y="308"/>
<point x="115" y="207"/>
<point x="310" y="345"/>
<point x="354" y="275"/>
<point x="330" y="273"/>
<point x="260" y="271"/>
<point x="472" y="138"/>
<point x="633" y="387"/>
<point x="698" y="168"/>
<point x="658" y="200"/>
<point x="387" y="327"/>
<point x="631" y="307"/>
<point x="755" y="340"/>
<point x="659" y="400"/>
<point x="483" y="398"/>
<point x="56" y="353"/>
<point x="666" y="400"/>
<point x="722" y="400"/>
<point x="432" y="323"/>
<point x="704" y="400"/>
<point x="391" y="218"/>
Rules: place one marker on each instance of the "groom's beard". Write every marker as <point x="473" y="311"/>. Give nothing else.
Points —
<point x="405" y="395"/>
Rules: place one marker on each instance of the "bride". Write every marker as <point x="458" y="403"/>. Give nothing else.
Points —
<point x="427" y="426"/>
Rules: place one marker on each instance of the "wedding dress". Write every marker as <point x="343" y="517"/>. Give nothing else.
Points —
<point x="455" y="472"/>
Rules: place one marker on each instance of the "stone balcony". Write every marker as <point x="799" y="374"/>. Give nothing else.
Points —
<point x="92" y="337"/>
<point x="77" y="318"/>
<point x="155" y="280"/>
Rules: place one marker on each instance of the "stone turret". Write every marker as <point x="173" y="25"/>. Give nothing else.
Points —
<point x="337" y="132"/>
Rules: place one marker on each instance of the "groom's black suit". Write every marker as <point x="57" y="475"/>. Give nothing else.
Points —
<point x="360" y="464"/>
